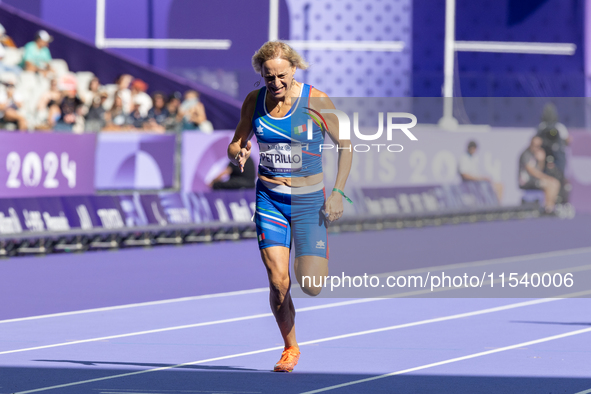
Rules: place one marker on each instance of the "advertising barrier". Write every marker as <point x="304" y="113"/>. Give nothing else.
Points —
<point x="55" y="214"/>
<point x="36" y="165"/>
<point x="434" y="160"/>
<point x="421" y="200"/>
<point x="48" y="181"/>
<point x="135" y="161"/>
<point x="204" y="156"/>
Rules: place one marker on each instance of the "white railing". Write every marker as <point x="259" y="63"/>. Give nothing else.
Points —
<point x="452" y="46"/>
<point x="223" y="44"/>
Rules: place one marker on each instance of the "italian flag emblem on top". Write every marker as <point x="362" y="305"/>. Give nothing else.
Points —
<point x="300" y="129"/>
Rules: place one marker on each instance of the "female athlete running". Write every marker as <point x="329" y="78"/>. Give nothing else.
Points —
<point x="290" y="196"/>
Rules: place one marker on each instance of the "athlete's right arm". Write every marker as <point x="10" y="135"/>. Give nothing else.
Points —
<point x="239" y="148"/>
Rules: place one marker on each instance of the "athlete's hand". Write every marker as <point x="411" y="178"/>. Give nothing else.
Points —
<point x="243" y="155"/>
<point x="333" y="207"/>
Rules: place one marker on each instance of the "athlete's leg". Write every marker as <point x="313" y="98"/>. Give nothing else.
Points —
<point x="276" y="261"/>
<point x="272" y="220"/>
<point x="310" y="272"/>
<point x="310" y="241"/>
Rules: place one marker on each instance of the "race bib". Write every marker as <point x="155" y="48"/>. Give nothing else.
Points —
<point x="281" y="157"/>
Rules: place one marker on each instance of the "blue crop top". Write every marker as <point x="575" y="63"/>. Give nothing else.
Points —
<point x="287" y="147"/>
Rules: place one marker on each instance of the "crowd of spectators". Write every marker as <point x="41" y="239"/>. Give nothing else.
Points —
<point x="39" y="93"/>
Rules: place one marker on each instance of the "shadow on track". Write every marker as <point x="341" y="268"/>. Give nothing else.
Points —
<point x="235" y="380"/>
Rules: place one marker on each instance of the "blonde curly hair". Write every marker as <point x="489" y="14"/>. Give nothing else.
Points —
<point x="277" y="49"/>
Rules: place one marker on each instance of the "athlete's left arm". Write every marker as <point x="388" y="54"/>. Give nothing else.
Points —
<point x="334" y="202"/>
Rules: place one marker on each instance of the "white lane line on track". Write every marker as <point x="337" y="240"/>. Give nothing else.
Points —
<point x="503" y="260"/>
<point x="354" y="334"/>
<point x="141" y="304"/>
<point x="202" y="324"/>
<point x="257" y="316"/>
<point x="453" y="360"/>
<point x="584" y="392"/>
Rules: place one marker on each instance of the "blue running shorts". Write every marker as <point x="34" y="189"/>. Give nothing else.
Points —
<point x="283" y="211"/>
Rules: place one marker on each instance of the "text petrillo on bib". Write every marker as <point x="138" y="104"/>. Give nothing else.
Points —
<point x="281" y="157"/>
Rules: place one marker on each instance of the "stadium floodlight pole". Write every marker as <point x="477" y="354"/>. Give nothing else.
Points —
<point x="448" y="121"/>
<point x="273" y="20"/>
<point x="99" y="38"/>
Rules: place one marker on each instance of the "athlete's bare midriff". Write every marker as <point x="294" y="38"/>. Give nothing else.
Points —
<point x="295" y="182"/>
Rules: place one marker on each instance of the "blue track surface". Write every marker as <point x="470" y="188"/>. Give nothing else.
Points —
<point x="229" y="343"/>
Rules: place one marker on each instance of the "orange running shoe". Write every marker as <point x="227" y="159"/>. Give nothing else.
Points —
<point x="289" y="359"/>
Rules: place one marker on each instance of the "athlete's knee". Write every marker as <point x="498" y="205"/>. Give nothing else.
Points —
<point x="279" y="283"/>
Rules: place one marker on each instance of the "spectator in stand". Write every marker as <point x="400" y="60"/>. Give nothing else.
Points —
<point x="50" y="97"/>
<point x="139" y="95"/>
<point x="531" y="173"/>
<point x="175" y="116"/>
<point x="158" y="114"/>
<point x="469" y="169"/>
<point x="6" y="40"/>
<point x="134" y="119"/>
<point x="93" y="110"/>
<point x="36" y="56"/>
<point x="94" y="91"/>
<point x="115" y="117"/>
<point x="46" y="101"/>
<point x="68" y="111"/>
<point x="94" y="120"/>
<point x="11" y="102"/>
<point x="193" y="111"/>
<point x="123" y="82"/>
<point x="3" y="67"/>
